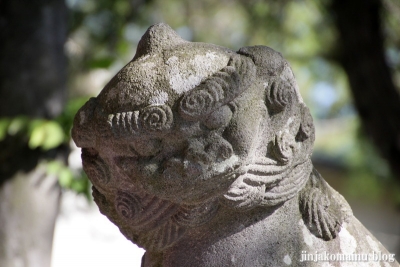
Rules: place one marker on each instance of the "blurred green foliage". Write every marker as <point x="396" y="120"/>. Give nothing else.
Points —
<point x="369" y="176"/>
<point x="46" y="135"/>
<point x="40" y="133"/>
<point x="43" y="133"/>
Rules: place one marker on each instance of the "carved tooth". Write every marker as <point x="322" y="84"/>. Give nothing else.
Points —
<point x="127" y="121"/>
<point x="135" y="121"/>
<point x="124" y="123"/>
<point x="114" y="124"/>
<point x="110" y="119"/>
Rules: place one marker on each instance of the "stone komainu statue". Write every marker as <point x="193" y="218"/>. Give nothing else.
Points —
<point x="201" y="155"/>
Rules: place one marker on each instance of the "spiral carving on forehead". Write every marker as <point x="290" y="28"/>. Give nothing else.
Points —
<point x="202" y="101"/>
<point x="218" y="90"/>
<point x="156" y="118"/>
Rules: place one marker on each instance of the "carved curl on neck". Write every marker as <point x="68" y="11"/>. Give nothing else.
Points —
<point x="322" y="209"/>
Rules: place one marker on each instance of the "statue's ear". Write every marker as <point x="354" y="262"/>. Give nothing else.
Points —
<point x="157" y="38"/>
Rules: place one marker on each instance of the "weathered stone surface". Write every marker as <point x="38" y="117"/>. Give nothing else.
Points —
<point x="201" y="155"/>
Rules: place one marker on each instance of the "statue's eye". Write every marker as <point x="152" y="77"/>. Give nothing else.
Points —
<point x="147" y="147"/>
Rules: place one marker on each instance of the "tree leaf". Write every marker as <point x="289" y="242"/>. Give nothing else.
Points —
<point x="54" y="135"/>
<point x="37" y="136"/>
<point x="17" y="125"/>
<point x="54" y="167"/>
<point x="102" y="63"/>
<point x="4" y="123"/>
<point x="65" y="178"/>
